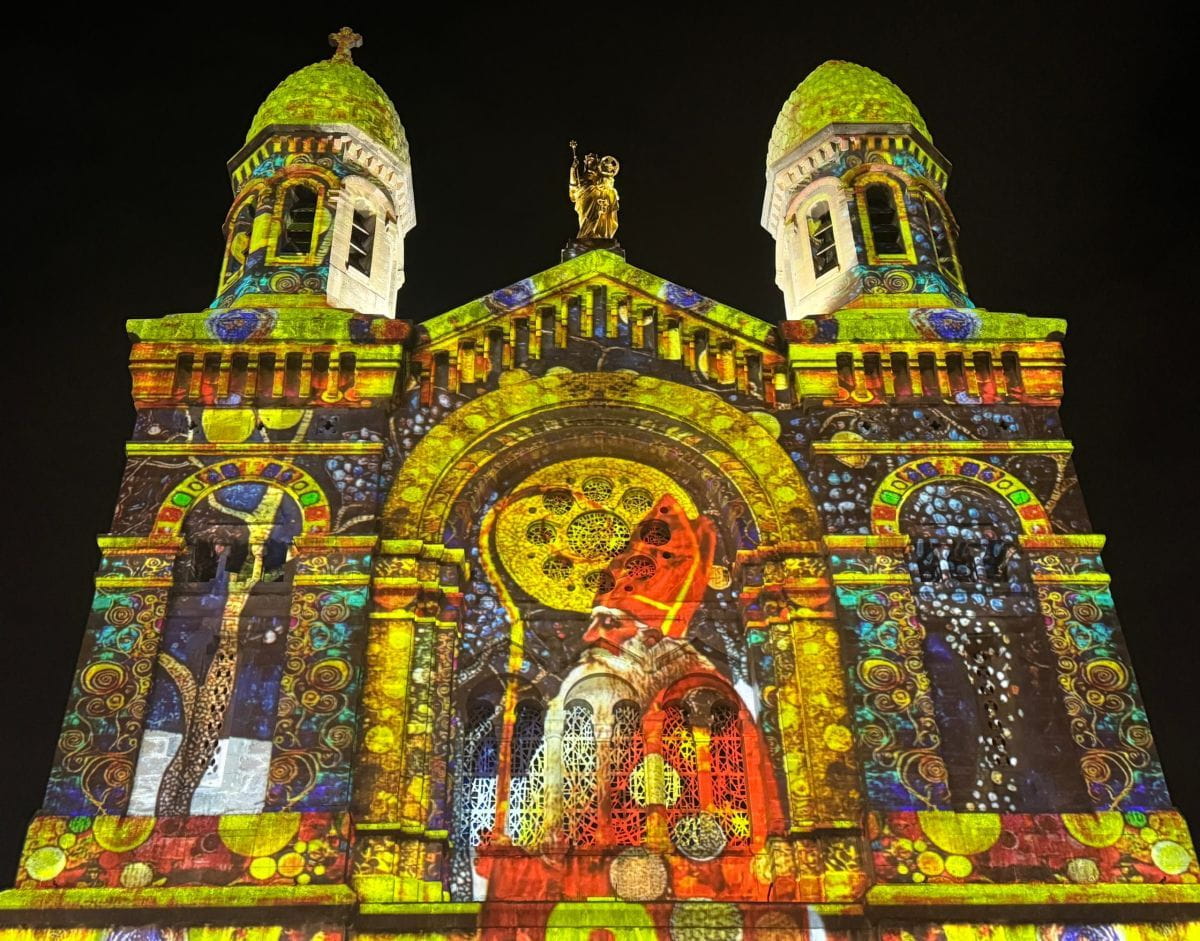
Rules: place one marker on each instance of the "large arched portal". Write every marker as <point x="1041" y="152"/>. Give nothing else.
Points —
<point x="560" y="554"/>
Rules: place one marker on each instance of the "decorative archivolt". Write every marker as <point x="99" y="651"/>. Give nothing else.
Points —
<point x="463" y="444"/>
<point x="292" y="480"/>
<point x="905" y="480"/>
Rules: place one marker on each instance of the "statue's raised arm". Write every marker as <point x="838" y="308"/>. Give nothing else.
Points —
<point x="573" y="180"/>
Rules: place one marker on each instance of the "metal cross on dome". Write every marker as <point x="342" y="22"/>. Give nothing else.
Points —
<point x="344" y="40"/>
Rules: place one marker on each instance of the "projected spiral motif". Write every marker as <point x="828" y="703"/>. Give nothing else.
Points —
<point x="563" y="526"/>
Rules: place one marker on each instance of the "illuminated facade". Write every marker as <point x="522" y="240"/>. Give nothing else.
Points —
<point x="595" y="608"/>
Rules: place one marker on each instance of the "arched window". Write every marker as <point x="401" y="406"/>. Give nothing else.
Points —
<point x="217" y="675"/>
<point x="727" y="759"/>
<point x="238" y="245"/>
<point x="1005" y="740"/>
<point x="581" y="812"/>
<point x="702" y="742"/>
<point x="822" y="244"/>
<point x="626" y="749"/>
<point x="939" y="234"/>
<point x="884" y="220"/>
<point x="475" y="802"/>
<point x="299" y="219"/>
<point x="679" y="751"/>
<point x="362" y="241"/>
<point x="526" y="783"/>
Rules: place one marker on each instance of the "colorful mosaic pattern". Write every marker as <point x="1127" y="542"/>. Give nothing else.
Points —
<point x="1107" y="720"/>
<point x="299" y="485"/>
<point x="944" y="847"/>
<point x="316" y="723"/>
<point x="101" y="735"/>
<point x="595" y="608"/>
<point x="140" y="852"/>
<point x="902" y="482"/>
<point x="898" y="737"/>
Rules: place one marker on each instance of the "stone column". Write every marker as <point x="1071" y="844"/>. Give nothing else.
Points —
<point x="402" y="768"/>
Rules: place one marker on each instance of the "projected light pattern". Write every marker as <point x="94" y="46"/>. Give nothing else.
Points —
<point x="595" y="608"/>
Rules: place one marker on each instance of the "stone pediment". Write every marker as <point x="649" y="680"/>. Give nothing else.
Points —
<point x="596" y="312"/>
<point x="598" y="269"/>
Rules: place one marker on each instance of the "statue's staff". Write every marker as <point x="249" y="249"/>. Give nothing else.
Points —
<point x="573" y="176"/>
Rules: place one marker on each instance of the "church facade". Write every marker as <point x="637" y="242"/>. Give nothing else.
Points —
<point x="596" y="608"/>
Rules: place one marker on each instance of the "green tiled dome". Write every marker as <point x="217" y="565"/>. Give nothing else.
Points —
<point x="334" y="92"/>
<point x="840" y="93"/>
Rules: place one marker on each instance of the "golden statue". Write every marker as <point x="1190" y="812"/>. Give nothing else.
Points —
<point x="594" y="195"/>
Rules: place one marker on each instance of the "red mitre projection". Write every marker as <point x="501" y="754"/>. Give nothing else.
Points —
<point x="659" y="580"/>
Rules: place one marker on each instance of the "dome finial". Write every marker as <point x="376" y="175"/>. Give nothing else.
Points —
<point x="343" y="41"/>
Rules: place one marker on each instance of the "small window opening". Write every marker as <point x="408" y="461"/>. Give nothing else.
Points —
<point x="963" y="561"/>
<point x="700" y="348"/>
<point x="649" y="329"/>
<point x="299" y="220"/>
<point x="346" y="366"/>
<point x="943" y="247"/>
<point x="210" y="378"/>
<point x="362" y="240"/>
<point x="441" y="370"/>
<point x="264" y="383"/>
<point x="239" y="366"/>
<point x="495" y="352"/>
<point x="292" y="365"/>
<point x="215" y="553"/>
<point x="873" y="372"/>
<point x="599" y="311"/>
<point x="754" y="375"/>
<point x="184" y="364"/>
<point x="621" y="320"/>
<point x="1010" y="362"/>
<point x="574" y="316"/>
<point x="845" y="371"/>
<point x="884" y="220"/>
<point x="549" y="324"/>
<point x="927" y="365"/>
<point x="821" y="239"/>
<point x="901" y="377"/>
<point x="956" y="373"/>
<point x="521" y="353"/>
<point x="320" y="372"/>
<point x="985" y="376"/>
<point x="274" y="559"/>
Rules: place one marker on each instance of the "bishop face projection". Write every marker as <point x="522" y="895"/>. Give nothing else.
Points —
<point x="607" y="695"/>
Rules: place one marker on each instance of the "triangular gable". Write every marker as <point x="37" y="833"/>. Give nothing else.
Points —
<point x="599" y="266"/>
<point x="597" y="312"/>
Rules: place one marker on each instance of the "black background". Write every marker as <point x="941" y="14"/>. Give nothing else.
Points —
<point x="1072" y="185"/>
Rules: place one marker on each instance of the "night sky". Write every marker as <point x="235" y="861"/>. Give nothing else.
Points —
<point x="1069" y="185"/>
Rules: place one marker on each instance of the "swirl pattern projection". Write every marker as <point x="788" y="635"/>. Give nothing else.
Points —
<point x="594" y="608"/>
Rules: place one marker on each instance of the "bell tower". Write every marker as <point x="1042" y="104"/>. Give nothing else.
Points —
<point x="855" y="199"/>
<point x="322" y="194"/>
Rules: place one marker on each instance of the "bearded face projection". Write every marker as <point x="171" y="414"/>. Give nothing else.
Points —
<point x="608" y="727"/>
